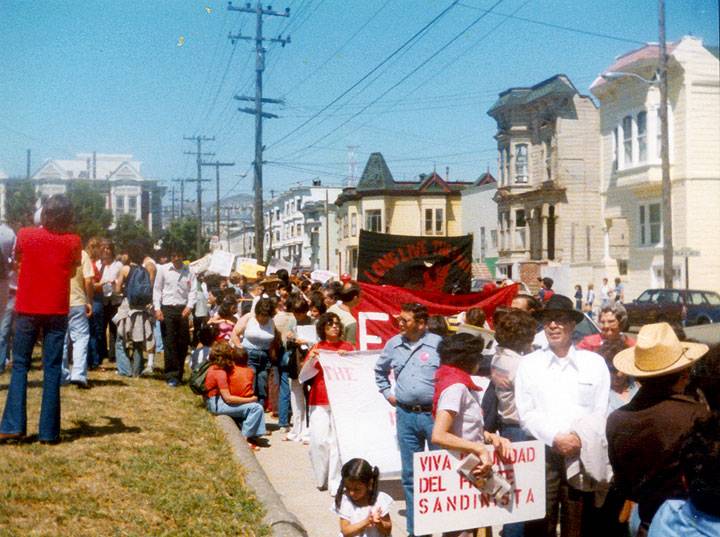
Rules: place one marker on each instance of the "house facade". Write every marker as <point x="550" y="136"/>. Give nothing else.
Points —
<point x="117" y="177"/>
<point x="430" y="206"/>
<point x="479" y="218"/>
<point x="548" y="192"/>
<point x="630" y="166"/>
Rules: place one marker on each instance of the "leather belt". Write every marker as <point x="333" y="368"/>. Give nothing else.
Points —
<point x="415" y="408"/>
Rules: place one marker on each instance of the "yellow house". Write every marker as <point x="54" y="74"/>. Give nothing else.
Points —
<point x="630" y="166"/>
<point x="427" y="207"/>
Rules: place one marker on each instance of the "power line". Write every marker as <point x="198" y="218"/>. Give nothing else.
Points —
<point x="368" y="74"/>
<point x="558" y="26"/>
<point x="404" y="78"/>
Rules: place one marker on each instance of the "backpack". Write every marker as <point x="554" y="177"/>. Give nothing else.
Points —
<point x="197" y="378"/>
<point x="138" y="288"/>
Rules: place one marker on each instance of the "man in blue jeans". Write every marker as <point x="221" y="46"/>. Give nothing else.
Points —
<point x="48" y="256"/>
<point x="412" y="356"/>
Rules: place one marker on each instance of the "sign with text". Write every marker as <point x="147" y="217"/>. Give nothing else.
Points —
<point x="447" y="501"/>
<point x="221" y="263"/>
<point x="417" y="262"/>
<point x="364" y="420"/>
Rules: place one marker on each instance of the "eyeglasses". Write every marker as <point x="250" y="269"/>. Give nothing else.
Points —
<point x="333" y="323"/>
<point x="559" y="319"/>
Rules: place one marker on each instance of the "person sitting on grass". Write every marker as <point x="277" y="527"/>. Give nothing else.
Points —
<point x="229" y="385"/>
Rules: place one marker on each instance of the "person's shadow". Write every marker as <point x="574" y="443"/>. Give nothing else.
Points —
<point x="84" y="429"/>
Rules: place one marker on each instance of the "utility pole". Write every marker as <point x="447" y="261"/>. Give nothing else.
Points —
<point x="172" y="190"/>
<point x="182" y="196"/>
<point x="217" y="165"/>
<point x="27" y="172"/>
<point x="199" y="139"/>
<point x="665" y="154"/>
<point x="257" y="111"/>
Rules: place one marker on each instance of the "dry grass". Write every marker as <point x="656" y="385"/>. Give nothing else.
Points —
<point x="136" y="458"/>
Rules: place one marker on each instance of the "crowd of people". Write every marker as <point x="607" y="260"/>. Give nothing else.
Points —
<point x="630" y="424"/>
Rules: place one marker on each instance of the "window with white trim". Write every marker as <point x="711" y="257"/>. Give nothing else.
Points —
<point x="373" y="220"/>
<point x="439" y="221"/>
<point x="521" y="163"/>
<point x="650" y="220"/>
<point x="428" y="221"/>
<point x="501" y="165"/>
<point x="627" y="140"/>
<point x="353" y="224"/>
<point x="642" y="136"/>
<point x="615" y="149"/>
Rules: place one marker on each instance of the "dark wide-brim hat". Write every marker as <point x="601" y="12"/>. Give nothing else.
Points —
<point x="560" y="304"/>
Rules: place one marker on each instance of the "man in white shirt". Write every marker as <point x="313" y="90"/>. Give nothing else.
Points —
<point x="174" y="299"/>
<point x="554" y="387"/>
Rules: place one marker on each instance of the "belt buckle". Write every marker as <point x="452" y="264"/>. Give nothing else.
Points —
<point x="416" y="408"/>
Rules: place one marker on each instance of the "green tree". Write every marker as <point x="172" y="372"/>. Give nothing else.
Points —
<point x="20" y="200"/>
<point x="181" y="236"/>
<point x="128" y="229"/>
<point x="91" y="216"/>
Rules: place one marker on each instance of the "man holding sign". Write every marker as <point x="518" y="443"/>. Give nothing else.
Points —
<point x="412" y="357"/>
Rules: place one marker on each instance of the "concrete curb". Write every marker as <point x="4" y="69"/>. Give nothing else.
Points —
<point x="282" y="522"/>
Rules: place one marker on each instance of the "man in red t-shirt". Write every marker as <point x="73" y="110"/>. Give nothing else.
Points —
<point x="47" y="256"/>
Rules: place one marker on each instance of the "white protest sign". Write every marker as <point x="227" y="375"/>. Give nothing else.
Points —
<point x="307" y="333"/>
<point x="221" y="263"/>
<point x="277" y="264"/>
<point x="364" y="420"/>
<point x="446" y="501"/>
<point x="322" y="276"/>
<point x="200" y="265"/>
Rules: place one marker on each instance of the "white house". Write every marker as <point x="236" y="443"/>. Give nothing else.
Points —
<point x="631" y="176"/>
<point x="479" y="218"/>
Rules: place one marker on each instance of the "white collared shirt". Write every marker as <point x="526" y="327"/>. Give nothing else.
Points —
<point x="551" y="392"/>
<point x="174" y="287"/>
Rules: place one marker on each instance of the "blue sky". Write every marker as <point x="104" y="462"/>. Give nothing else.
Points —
<point x="109" y="76"/>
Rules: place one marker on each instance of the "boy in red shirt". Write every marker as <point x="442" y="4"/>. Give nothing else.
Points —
<point x="47" y="258"/>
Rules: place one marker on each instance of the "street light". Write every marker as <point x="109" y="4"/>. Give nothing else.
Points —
<point x="660" y="80"/>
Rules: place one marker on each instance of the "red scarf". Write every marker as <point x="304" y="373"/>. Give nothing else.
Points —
<point x="446" y="376"/>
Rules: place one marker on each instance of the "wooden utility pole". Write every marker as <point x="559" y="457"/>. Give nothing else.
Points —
<point x="217" y="165"/>
<point x="257" y="111"/>
<point x="665" y="154"/>
<point x="172" y="191"/>
<point x="199" y="139"/>
<point x="182" y="196"/>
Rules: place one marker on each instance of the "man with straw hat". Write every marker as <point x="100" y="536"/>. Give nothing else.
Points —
<point x="643" y="436"/>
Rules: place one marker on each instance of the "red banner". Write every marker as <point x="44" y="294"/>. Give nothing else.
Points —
<point x="379" y="304"/>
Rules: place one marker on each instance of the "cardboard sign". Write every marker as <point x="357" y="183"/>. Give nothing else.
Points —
<point x="277" y="264"/>
<point x="323" y="276"/>
<point x="221" y="263"/>
<point x="200" y="265"/>
<point x="446" y="501"/>
<point x="249" y="269"/>
<point x="364" y="420"/>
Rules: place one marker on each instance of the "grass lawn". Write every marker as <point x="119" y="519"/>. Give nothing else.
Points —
<point x="136" y="458"/>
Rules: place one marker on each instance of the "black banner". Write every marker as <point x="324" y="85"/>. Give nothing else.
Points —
<point x="429" y="263"/>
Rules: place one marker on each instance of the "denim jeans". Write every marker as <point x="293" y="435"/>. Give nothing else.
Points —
<point x="158" y="337"/>
<point x="259" y="362"/>
<point x="284" y="391"/>
<point x="514" y="433"/>
<point x="8" y="316"/>
<point x="250" y="417"/>
<point x="122" y="360"/>
<point x="95" y="345"/>
<point x="414" y="432"/>
<point x="78" y="332"/>
<point x="27" y="329"/>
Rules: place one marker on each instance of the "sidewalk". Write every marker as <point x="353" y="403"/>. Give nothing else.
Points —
<point x="287" y="465"/>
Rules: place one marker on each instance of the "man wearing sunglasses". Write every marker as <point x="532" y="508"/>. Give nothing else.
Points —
<point x="413" y="358"/>
<point x="556" y="389"/>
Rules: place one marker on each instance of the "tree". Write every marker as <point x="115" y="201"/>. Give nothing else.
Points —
<point x="20" y="202"/>
<point x="181" y="236"/>
<point x="127" y="230"/>
<point x="91" y="217"/>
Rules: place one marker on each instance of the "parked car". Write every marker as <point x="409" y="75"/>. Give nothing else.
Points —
<point x="687" y="306"/>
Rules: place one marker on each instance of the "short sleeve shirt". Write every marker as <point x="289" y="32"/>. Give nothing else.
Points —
<point x="352" y="513"/>
<point x="216" y="380"/>
<point x="465" y="403"/>
<point x="77" y="284"/>
<point x="240" y="381"/>
<point x="47" y="262"/>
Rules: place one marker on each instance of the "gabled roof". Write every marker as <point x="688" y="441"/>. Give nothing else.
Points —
<point x="485" y="179"/>
<point x="117" y="166"/>
<point x="433" y="183"/>
<point x="557" y="86"/>
<point x="376" y="174"/>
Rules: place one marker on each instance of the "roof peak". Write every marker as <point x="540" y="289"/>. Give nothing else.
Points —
<point x="376" y="173"/>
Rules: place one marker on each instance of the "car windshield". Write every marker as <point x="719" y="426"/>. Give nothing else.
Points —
<point x="646" y="296"/>
<point x="713" y="298"/>
<point x="584" y="328"/>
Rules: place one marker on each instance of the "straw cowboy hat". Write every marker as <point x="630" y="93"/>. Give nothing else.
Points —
<point x="658" y="352"/>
